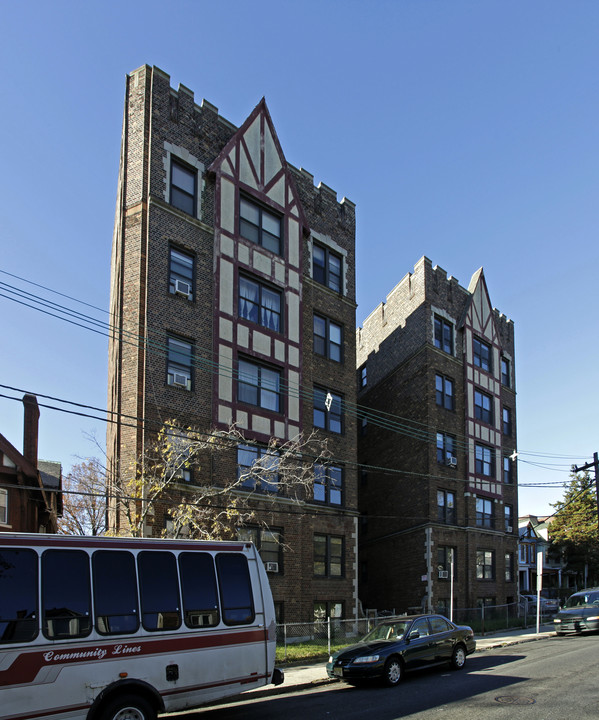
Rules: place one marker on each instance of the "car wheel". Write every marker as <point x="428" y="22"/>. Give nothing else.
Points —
<point x="393" y="672"/>
<point x="458" y="657"/>
<point x="128" y="707"/>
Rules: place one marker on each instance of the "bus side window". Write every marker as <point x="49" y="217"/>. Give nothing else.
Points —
<point x="115" y="592"/>
<point x="198" y="587"/>
<point x="235" y="589"/>
<point x="159" y="590"/>
<point x="66" y="602"/>
<point x="18" y="596"/>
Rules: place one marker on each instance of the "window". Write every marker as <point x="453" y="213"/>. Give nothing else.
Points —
<point x="257" y="468"/>
<point x="179" y="362"/>
<point x="328" y="556"/>
<point x="483" y="407"/>
<point x="324" y="610"/>
<point x="446" y="507"/>
<point x="158" y="590"/>
<point x="183" y="187"/>
<point x="3" y="507"/>
<point x="444" y="392"/>
<point x="509" y="518"/>
<point x="235" y="589"/>
<point x="259" y="385"/>
<point x="328" y="411"/>
<point x="269" y="543"/>
<point x="446" y="450"/>
<point x="484" y="513"/>
<point x="443" y="335"/>
<point x="259" y="226"/>
<point x="259" y="304"/>
<point x="181" y="270"/>
<point x="66" y="596"/>
<point x="482" y="355"/>
<point x="484" y="460"/>
<point x="439" y="625"/>
<point x="198" y="589"/>
<point x="505" y="372"/>
<point x="115" y="592"/>
<point x="326" y="267"/>
<point x="485" y="602"/>
<point x="363" y="377"/>
<point x="523" y="553"/>
<point x="509" y="567"/>
<point x="508" y="477"/>
<point x="328" y="484"/>
<point x="507" y="421"/>
<point x="485" y="565"/>
<point x="328" y="338"/>
<point x="445" y="557"/>
<point x="18" y="596"/>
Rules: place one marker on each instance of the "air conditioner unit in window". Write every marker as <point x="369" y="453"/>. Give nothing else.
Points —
<point x="509" y="528"/>
<point x="182" y="288"/>
<point x="180" y="379"/>
<point x="443" y="574"/>
<point x="272" y="567"/>
<point x="451" y="462"/>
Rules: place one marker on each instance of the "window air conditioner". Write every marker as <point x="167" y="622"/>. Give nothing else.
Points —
<point x="508" y="528"/>
<point x="182" y="288"/>
<point x="180" y="379"/>
<point x="443" y="574"/>
<point x="451" y="462"/>
<point x="272" y="567"/>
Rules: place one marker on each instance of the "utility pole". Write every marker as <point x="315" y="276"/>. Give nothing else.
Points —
<point x="588" y="466"/>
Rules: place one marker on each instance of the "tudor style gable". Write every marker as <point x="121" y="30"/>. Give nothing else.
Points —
<point x="258" y="234"/>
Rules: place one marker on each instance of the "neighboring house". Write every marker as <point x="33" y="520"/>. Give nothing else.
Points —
<point x="30" y="499"/>
<point x="439" y="483"/>
<point x="534" y="538"/>
<point x="239" y="275"/>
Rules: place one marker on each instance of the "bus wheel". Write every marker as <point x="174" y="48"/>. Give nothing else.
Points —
<point x="128" y="707"/>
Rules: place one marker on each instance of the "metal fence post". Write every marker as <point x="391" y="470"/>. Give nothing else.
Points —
<point x="329" y="634"/>
<point x="285" y="638"/>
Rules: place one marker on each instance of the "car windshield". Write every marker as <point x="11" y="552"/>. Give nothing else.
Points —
<point x="386" y="631"/>
<point x="580" y="599"/>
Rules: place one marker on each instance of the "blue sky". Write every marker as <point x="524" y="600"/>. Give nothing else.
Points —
<point x="464" y="131"/>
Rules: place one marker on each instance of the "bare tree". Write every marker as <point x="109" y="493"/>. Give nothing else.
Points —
<point x="213" y="511"/>
<point x="84" y="499"/>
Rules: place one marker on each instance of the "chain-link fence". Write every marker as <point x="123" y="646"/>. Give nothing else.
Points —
<point x="297" y="639"/>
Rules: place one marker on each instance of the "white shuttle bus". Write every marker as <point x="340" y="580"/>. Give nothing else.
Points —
<point x="124" y="629"/>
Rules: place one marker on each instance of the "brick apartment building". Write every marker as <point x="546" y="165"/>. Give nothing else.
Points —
<point x="233" y="301"/>
<point x="437" y="388"/>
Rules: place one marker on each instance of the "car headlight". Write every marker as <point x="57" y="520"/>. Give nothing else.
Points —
<point x="595" y="617"/>
<point x="366" y="659"/>
<point x="331" y="659"/>
<point x="556" y="620"/>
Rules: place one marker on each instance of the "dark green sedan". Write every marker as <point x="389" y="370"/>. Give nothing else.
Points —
<point x="401" y="644"/>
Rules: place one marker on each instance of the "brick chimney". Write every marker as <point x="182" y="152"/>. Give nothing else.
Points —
<point x="30" y="428"/>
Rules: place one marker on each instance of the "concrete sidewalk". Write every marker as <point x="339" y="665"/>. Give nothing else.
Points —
<point x="301" y="677"/>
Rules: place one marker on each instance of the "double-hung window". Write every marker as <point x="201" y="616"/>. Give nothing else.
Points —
<point x="509" y="567"/>
<point x="446" y="450"/>
<point x="446" y="507"/>
<point x="268" y="542"/>
<point x="444" y="395"/>
<point x="482" y="355"/>
<point x="507" y="470"/>
<point x="446" y="556"/>
<point x="259" y="304"/>
<point x="484" y="460"/>
<point x="505" y="372"/>
<point x="3" y="506"/>
<point x="181" y="267"/>
<point x="328" y="338"/>
<point x="443" y="332"/>
<point x="328" y="484"/>
<point x="259" y="385"/>
<point x="485" y="564"/>
<point x="484" y="513"/>
<point x="328" y="556"/>
<point x="179" y="362"/>
<point x="327" y="267"/>
<point x="328" y="411"/>
<point x="483" y="407"/>
<point x="258" y="468"/>
<point x="507" y="421"/>
<point x="260" y="226"/>
<point x="509" y="518"/>
<point x="363" y="376"/>
<point x="184" y="182"/>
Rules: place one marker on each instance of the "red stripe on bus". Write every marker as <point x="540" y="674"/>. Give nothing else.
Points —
<point x="27" y="665"/>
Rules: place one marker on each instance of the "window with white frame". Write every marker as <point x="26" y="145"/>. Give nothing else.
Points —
<point x="179" y="363"/>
